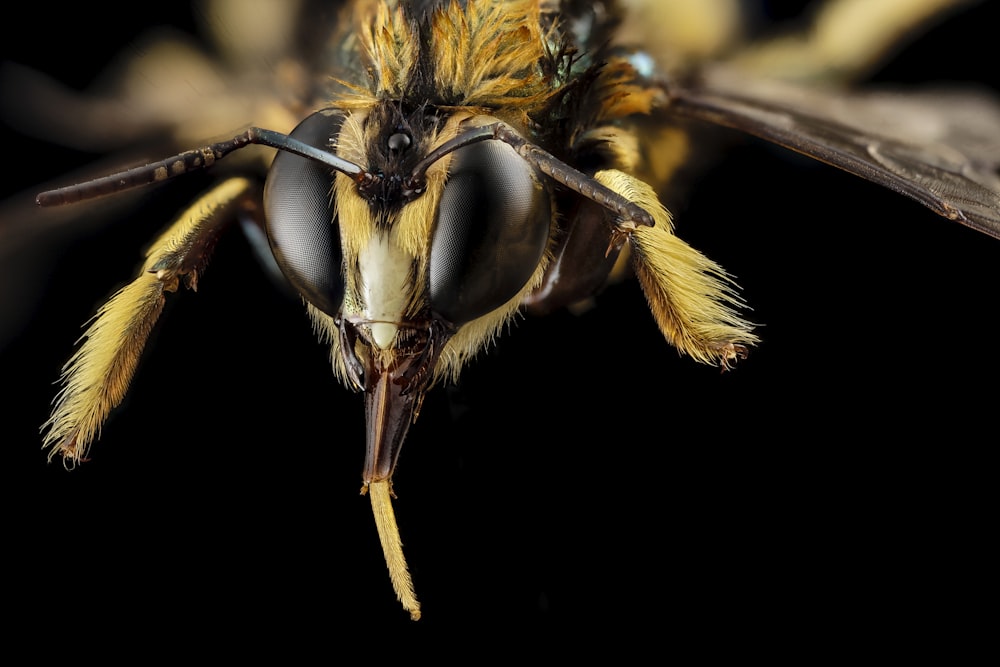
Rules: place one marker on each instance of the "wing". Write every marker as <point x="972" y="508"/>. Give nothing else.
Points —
<point x="940" y="147"/>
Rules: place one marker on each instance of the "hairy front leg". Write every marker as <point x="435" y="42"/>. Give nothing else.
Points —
<point x="96" y="378"/>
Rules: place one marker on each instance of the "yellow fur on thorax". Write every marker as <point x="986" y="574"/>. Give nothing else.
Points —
<point x="510" y="32"/>
<point x="390" y="45"/>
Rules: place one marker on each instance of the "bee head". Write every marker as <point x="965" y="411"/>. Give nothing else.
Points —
<point x="415" y="267"/>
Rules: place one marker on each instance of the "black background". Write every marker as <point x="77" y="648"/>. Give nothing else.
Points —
<point x="582" y="485"/>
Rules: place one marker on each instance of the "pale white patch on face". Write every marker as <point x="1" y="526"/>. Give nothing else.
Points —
<point x="385" y="272"/>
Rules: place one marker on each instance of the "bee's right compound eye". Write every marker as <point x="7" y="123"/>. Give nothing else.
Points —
<point x="491" y="232"/>
<point x="301" y="228"/>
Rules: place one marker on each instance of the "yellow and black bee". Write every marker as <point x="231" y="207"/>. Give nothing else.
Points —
<point x="431" y="254"/>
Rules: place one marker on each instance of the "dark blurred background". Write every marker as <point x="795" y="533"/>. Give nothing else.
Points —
<point x="581" y="479"/>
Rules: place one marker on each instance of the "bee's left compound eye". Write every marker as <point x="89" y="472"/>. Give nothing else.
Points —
<point x="491" y="231"/>
<point x="301" y="228"/>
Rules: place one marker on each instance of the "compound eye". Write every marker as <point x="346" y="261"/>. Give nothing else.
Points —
<point x="491" y="231"/>
<point x="301" y="228"/>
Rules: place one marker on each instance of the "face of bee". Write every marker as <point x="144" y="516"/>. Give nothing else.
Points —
<point x="865" y="298"/>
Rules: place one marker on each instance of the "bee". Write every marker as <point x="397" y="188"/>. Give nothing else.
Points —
<point x="564" y="114"/>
